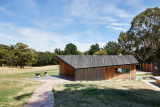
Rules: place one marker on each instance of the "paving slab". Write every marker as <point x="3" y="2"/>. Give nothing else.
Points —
<point x="142" y="72"/>
<point x="53" y="77"/>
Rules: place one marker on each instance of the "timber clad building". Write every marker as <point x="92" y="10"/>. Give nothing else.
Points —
<point x="98" y="67"/>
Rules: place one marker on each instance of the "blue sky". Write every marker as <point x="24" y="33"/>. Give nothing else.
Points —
<point x="48" y="24"/>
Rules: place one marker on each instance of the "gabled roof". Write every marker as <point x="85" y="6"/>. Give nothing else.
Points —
<point x="89" y="61"/>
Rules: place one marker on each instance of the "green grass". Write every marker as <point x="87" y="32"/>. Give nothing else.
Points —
<point x="106" y="94"/>
<point x="16" y="89"/>
<point x="145" y="75"/>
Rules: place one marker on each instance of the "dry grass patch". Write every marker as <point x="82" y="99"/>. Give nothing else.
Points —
<point x="12" y="70"/>
<point x="106" y="94"/>
<point x="17" y="89"/>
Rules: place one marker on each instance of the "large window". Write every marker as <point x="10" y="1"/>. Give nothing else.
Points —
<point x="155" y="65"/>
<point x="122" y="70"/>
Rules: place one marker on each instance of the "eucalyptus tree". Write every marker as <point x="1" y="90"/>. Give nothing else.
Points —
<point x="24" y="55"/>
<point x="144" y="34"/>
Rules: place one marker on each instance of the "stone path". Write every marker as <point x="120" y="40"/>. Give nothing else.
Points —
<point x="43" y="95"/>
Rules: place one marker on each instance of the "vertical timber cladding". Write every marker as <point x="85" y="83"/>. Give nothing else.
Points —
<point x="65" y="69"/>
<point x="111" y="75"/>
<point x="90" y="74"/>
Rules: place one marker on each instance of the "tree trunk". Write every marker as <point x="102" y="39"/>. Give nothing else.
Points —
<point x="20" y="65"/>
<point x="16" y="65"/>
<point x="144" y="60"/>
<point x="0" y="63"/>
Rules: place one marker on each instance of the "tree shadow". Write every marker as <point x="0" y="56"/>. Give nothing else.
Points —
<point x="22" y="96"/>
<point x="92" y="95"/>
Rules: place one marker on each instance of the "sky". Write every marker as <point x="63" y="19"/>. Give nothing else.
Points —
<point x="48" y="24"/>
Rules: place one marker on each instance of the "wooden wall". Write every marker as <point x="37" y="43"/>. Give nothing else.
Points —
<point x="65" y="69"/>
<point x="111" y="75"/>
<point x="90" y="74"/>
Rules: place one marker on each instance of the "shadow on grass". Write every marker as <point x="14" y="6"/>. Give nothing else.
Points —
<point x="91" y="95"/>
<point x="20" y="97"/>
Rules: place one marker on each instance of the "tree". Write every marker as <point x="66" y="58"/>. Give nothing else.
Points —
<point x="10" y="58"/>
<point x="3" y="53"/>
<point x="24" y="55"/>
<point x="158" y="53"/>
<point x="102" y="52"/>
<point x="47" y="58"/>
<point x="93" y="49"/>
<point x="54" y="60"/>
<point x="71" y="49"/>
<point x="40" y="58"/>
<point x="86" y="52"/>
<point x="144" y="34"/>
<point x="58" y="51"/>
<point x="4" y="46"/>
<point x="112" y="48"/>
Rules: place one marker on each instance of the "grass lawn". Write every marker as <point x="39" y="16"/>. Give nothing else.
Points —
<point x="144" y="75"/>
<point x="106" y="94"/>
<point x="16" y="89"/>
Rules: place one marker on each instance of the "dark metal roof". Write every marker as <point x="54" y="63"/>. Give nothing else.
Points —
<point x="89" y="61"/>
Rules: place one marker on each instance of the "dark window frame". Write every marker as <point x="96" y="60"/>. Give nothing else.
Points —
<point x="122" y="71"/>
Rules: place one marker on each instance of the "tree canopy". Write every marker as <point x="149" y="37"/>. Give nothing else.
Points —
<point x="58" y="51"/>
<point x="71" y="49"/>
<point x="24" y="55"/>
<point x="102" y="52"/>
<point x="144" y="34"/>
<point x="93" y="49"/>
<point x="112" y="48"/>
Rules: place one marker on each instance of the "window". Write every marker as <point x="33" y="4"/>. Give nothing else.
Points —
<point x="122" y="70"/>
<point x="155" y="66"/>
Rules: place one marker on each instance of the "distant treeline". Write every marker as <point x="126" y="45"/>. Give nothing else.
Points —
<point x="21" y="55"/>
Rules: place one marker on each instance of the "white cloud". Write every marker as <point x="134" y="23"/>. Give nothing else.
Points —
<point x="115" y="28"/>
<point x="97" y="12"/>
<point x="85" y="46"/>
<point x="109" y="19"/>
<point x="38" y="39"/>
<point x="5" y="11"/>
<point x="2" y="9"/>
<point x="30" y="3"/>
<point x="119" y="24"/>
<point x="67" y="20"/>
<point x="93" y="33"/>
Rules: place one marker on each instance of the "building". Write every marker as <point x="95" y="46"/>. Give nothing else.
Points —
<point x="98" y="67"/>
<point x="156" y="67"/>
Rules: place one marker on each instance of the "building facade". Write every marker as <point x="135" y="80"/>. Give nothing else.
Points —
<point x="98" y="67"/>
